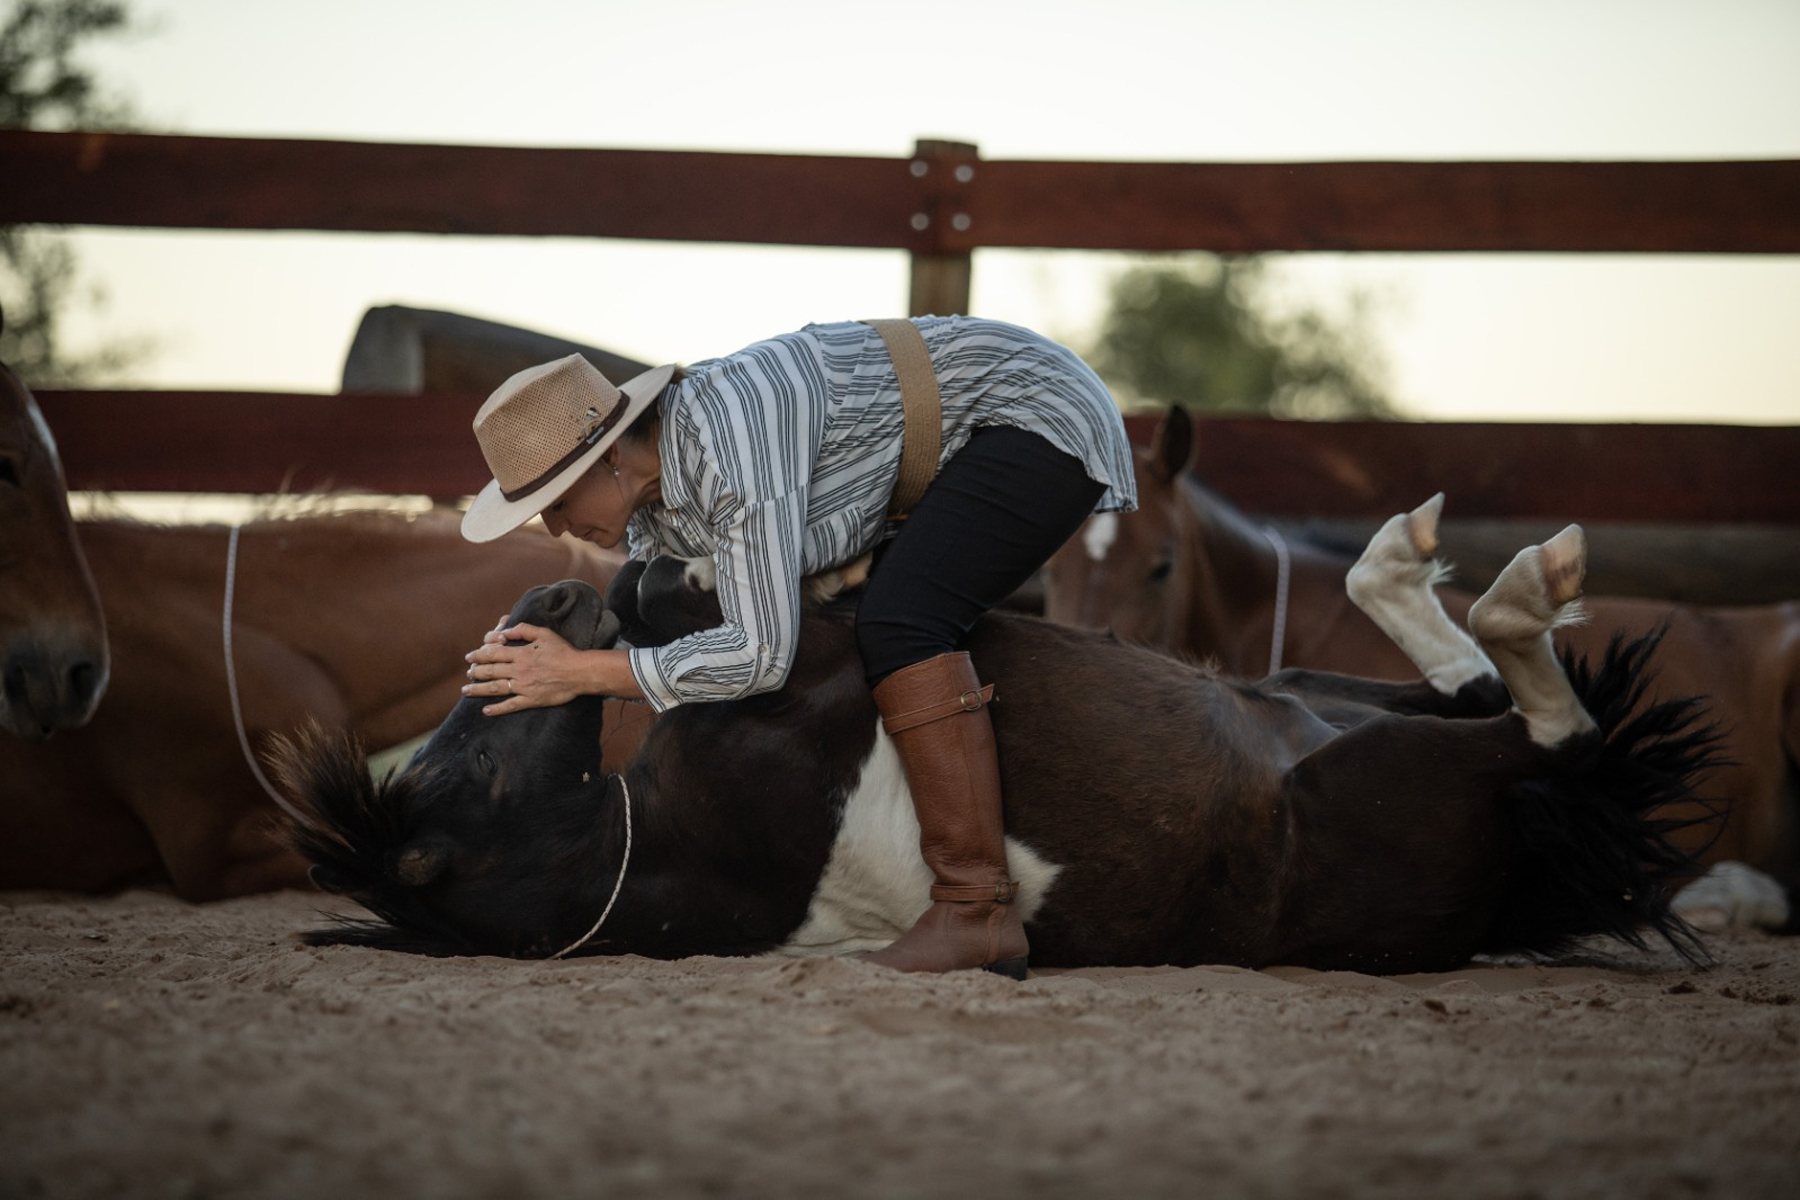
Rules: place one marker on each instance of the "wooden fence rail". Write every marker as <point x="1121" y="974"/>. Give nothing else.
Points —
<point x="261" y="442"/>
<point x="944" y="199"/>
<point x="938" y="204"/>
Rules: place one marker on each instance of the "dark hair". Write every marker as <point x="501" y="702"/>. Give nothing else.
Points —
<point x="648" y="426"/>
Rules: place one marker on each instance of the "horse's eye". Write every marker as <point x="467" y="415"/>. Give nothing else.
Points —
<point x="485" y="761"/>
<point x="1162" y="570"/>
<point x="9" y="470"/>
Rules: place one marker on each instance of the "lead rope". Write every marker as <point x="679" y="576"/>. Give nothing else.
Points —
<point x="237" y="712"/>
<point x="1278" y="636"/>
<point x="581" y="941"/>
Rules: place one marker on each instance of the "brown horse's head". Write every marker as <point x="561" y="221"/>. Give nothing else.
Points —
<point x="1186" y="573"/>
<point x="484" y="842"/>
<point x="1134" y="573"/>
<point x="54" y="661"/>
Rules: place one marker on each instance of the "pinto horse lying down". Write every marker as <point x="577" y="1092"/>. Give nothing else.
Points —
<point x="1189" y="574"/>
<point x="1155" y="812"/>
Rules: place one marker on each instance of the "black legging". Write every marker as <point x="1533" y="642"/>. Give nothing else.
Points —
<point x="996" y="513"/>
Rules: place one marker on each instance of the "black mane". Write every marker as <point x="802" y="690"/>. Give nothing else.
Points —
<point x="358" y="827"/>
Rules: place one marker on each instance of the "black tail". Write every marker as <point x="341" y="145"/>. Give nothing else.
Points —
<point x="1595" y="855"/>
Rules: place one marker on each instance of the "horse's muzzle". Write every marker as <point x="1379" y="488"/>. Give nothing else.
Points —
<point x="46" y="689"/>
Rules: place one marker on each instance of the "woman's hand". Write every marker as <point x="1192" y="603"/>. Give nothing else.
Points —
<point x="543" y="672"/>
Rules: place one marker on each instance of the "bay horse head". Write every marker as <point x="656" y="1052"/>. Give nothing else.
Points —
<point x="54" y="658"/>
<point x="1136" y="573"/>
<point x="479" y="845"/>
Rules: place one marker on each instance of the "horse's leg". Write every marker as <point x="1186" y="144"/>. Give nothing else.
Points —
<point x="1536" y="592"/>
<point x="1732" y="895"/>
<point x="1394" y="582"/>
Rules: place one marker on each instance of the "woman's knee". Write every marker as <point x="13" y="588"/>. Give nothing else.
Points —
<point x="889" y="641"/>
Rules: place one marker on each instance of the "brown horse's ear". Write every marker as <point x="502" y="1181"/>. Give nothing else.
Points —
<point x="1173" y="443"/>
<point x="422" y="862"/>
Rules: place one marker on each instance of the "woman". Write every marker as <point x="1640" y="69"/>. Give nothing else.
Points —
<point x="783" y="460"/>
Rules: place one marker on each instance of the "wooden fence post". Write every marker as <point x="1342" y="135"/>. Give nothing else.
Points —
<point x="940" y="277"/>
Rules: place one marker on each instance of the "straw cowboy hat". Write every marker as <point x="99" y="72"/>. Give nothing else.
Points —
<point x="542" y="429"/>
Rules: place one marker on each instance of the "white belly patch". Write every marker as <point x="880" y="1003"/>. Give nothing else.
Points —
<point x="875" y="884"/>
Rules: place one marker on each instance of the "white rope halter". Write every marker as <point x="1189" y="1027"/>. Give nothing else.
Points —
<point x="618" y="883"/>
<point x="1278" y="636"/>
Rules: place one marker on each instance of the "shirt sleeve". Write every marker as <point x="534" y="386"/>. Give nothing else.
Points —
<point x="759" y="562"/>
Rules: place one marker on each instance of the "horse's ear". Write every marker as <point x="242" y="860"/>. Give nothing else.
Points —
<point x="621" y="593"/>
<point x="1173" y="443"/>
<point x="423" y="861"/>
<point x="606" y="633"/>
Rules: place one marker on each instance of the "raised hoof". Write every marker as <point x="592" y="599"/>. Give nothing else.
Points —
<point x="1564" y="565"/>
<point x="1422" y="526"/>
<point x="1397" y="561"/>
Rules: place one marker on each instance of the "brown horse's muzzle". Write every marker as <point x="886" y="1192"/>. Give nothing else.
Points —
<point x="46" y="686"/>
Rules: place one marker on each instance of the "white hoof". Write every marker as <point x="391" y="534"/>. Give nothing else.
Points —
<point x="1422" y="526"/>
<point x="1535" y="593"/>
<point x="1564" y="563"/>
<point x="1732" y="896"/>
<point x="1398" y="558"/>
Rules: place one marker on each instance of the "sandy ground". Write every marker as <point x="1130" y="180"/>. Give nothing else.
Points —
<point x="154" y="1048"/>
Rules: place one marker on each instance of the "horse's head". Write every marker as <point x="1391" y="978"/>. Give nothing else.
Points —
<point x="490" y="840"/>
<point x="54" y="660"/>
<point x="1132" y="572"/>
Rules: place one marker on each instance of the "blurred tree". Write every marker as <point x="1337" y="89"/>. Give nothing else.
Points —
<point x="42" y="86"/>
<point x="1206" y="335"/>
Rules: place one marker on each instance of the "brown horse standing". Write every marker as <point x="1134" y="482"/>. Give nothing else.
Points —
<point x="156" y="787"/>
<point x="53" y="652"/>
<point x="1188" y="573"/>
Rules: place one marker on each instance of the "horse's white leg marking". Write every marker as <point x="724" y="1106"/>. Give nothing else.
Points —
<point x="829" y="585"/>
<point x="876" y="884"/>
<point x="702" y="574"/>
<point x="1395" y="583"/>
<point x="1101" y="532"/>
<point x="1536" y="592"/>
<point x="1732" y="895"/>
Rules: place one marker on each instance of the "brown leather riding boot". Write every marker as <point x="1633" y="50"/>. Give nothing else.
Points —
<point x="936" y="713"/>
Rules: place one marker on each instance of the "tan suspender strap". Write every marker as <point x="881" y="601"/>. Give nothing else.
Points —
<point x="924" y="411"/>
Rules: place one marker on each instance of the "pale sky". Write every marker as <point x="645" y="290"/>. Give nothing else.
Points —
<point x="1472" y="337"/>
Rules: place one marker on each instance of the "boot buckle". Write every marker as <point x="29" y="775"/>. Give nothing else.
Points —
<point x="1006" y="891"/>
<point x="971" y="700"/>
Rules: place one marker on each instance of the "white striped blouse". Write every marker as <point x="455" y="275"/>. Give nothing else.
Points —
<point x="779" y="461"/>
